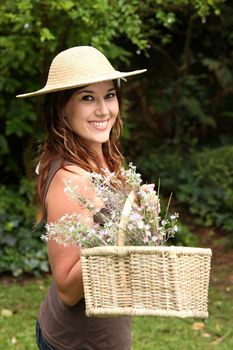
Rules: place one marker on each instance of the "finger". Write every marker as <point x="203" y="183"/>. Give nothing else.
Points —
<point x="146" y="187"/>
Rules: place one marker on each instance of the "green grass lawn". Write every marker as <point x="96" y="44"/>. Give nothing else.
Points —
<point x="19" y="304"/>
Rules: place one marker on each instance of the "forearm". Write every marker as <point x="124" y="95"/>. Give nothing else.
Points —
<point x="70" y="285"/>
<point x="66" y="270"/>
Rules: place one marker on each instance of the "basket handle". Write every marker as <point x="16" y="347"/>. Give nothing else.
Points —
<point x="125" y="212"/>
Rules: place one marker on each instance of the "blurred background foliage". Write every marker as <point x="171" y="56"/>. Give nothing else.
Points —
<point x="178" y="116"/>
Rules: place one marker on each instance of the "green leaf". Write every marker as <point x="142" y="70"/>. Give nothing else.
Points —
<point x="4" y="148"/>
<point x="46" y="35"/>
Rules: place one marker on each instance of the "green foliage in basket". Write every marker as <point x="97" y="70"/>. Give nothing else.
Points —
<point x="141" y="220"/>
<point x="203" y="180"/>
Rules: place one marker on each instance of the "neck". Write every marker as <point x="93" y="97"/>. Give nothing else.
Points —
<point x="98" y="149"/>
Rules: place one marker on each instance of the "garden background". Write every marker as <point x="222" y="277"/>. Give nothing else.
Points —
<point x="178" y="128"/>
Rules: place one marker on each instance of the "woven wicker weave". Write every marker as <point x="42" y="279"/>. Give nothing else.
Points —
<point x="146" y="281"/>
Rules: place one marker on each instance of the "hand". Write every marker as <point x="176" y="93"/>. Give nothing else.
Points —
<point x="147" y="187"/>
<point x="153" y="197"/>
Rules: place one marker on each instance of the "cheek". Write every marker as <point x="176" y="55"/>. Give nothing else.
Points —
<point x="74" y="117"/>
<point x="72" y="120"/>
<point x="115" y="109"/>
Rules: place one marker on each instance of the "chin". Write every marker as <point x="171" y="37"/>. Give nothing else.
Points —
<point x="94" y="143"/>
<point x="102" y="139"/>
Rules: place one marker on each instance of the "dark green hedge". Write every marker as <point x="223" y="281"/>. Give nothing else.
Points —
<point x="21" y="250"/>
<point x="201" y="180"/>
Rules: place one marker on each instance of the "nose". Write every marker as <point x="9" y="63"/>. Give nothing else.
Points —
<point x="101" y="108"/>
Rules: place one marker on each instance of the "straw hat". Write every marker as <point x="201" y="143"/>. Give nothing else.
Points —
<point x="79" y="66"/>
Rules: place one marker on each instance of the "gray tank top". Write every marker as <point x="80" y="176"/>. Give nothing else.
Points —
<point x="67" y="327"/>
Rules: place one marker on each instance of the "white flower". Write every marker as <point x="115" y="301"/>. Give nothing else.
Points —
<point x="109" y="224"/>
<point x="135" y="216"/>
<point x="143" y="222"/>
<point x="174" y="216"/>
<point x="140" y="224"/>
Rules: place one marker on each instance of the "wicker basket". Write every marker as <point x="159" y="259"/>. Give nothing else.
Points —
<point x="145" y="281"/>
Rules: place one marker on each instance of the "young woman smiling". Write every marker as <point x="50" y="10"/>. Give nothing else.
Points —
<point x="83" y="126"/>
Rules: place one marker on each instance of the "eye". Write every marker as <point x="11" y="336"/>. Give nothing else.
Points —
<point x="110" y="95"/>
<point x="87" y="98"/>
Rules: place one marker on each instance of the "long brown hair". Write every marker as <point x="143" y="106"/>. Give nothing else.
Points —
<point x="62" y="143"/>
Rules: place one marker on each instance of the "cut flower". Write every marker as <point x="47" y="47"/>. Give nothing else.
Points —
<point x="142" y="225"/>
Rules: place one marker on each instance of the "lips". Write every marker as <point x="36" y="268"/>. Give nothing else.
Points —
<point x="100" y="125"/>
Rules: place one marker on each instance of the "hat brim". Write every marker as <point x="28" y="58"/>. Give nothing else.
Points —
<point x="104" y="77"/>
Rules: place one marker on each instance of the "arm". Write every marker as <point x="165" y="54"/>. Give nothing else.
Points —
<point x="65" y="261"/>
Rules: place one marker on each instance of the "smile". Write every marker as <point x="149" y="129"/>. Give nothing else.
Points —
<point x="99" y="125"/>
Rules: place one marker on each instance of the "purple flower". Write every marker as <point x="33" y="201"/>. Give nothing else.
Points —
<point x="135" y="216"/>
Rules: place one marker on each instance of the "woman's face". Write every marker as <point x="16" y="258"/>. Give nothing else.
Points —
<point x="92" y="111"/>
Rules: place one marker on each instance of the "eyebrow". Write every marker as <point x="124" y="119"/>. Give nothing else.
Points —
<point x="92" y="92"/>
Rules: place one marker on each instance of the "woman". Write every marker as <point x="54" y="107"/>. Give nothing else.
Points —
<point x="83" y="126"/>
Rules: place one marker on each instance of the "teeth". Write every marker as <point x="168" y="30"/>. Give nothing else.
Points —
<point x="100" y="123"/>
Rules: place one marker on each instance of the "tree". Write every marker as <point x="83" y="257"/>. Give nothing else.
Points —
<point x="33" y="31"/>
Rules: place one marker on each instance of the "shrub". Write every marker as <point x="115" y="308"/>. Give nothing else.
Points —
<point x="208" y="190"/>
<point x="203" y="180"/>
<point x="20" y="247"/>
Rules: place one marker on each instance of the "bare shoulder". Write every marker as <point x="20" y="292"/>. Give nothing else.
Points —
<point x="71" y="172"/>
<point x="57" y="201"/>
<point x="75" y="169"/>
